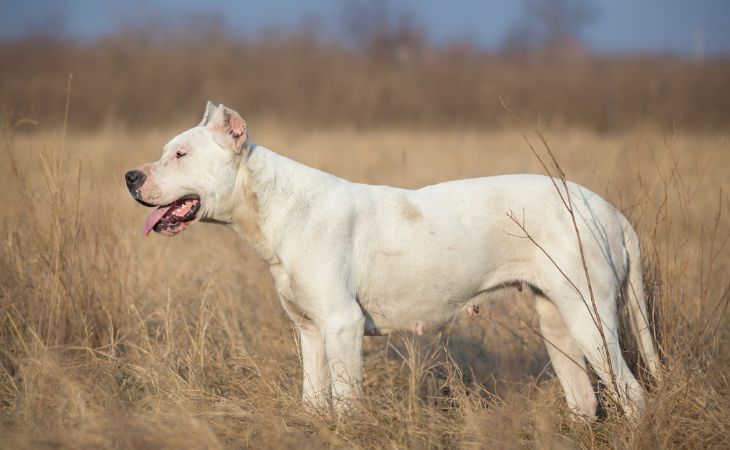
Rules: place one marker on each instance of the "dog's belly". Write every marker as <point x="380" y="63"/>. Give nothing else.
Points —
<point x="422" y="286"/>
<point x="392" y="315"/>
<point x="435" y="298"/>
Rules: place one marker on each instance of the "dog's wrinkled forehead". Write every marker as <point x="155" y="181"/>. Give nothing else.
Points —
<point x="221" y="129"/>
<point x="193" y="139"/>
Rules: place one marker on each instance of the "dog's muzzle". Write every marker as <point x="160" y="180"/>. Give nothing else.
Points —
<point x="135" y="179"/>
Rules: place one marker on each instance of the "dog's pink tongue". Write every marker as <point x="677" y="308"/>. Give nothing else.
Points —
<point x="155" y="217"/>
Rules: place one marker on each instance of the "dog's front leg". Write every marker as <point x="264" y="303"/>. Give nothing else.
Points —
<point x="343" y="334"/>
<point x="316" y="385"/>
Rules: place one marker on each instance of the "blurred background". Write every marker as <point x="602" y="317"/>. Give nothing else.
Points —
<point x="606" y="65"/>
<point x="112" y="340"/>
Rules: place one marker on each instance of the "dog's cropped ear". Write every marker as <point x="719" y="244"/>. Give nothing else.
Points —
<point x="229" y="128"/>
<point x="210" y="109"/>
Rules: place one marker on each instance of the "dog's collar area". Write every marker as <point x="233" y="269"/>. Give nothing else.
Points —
<point x="251" y="147"/>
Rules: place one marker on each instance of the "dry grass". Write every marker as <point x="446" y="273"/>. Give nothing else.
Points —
<point x="112" y="340"/>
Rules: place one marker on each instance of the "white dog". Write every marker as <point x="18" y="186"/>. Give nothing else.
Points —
<point x="352" y="259"/>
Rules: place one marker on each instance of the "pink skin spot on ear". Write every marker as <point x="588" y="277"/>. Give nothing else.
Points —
<point x="237" y="127"/>
<point x="419" y="328"/>
<point x="471" y="310"/>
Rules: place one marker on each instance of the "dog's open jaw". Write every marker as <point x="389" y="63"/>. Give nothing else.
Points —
<point x="172" y="218"/>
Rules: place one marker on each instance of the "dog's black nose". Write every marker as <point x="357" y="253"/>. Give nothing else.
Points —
<point x="134" y="178"/>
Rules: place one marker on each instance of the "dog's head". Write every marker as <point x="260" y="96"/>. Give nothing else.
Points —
<point x="196" y="175"/>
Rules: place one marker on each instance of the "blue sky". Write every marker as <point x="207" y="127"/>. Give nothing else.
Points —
<point x="622" y="26"/>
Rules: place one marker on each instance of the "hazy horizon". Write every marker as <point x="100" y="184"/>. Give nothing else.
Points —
<point x="620" y="26"/>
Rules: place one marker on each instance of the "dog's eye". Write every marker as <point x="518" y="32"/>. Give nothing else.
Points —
<point x="179" y="154"/>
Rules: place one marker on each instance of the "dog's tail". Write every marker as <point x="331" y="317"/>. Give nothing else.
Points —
<point x="636" y="301"/>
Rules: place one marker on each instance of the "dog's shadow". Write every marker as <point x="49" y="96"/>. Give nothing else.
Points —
<point x="489" y="353"/>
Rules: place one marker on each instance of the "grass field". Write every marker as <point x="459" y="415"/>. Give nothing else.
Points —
<point x="112" y="340"/>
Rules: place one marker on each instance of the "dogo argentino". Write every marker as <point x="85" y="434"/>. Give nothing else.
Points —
<point x="352" y="259"/>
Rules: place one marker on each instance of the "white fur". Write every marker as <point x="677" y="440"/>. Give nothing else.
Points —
<point x="349" y="258"/>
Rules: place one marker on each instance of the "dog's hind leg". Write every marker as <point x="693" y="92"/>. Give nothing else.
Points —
<point x="567" y="359"/>
<point x="579" y="316"/>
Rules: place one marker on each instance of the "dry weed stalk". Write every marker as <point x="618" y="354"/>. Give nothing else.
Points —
<point x="568" y="204"/>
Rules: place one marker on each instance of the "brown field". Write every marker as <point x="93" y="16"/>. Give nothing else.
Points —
<point x="112" y="340"/>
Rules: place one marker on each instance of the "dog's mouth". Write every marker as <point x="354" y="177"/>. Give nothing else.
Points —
<point x="173" y="218"/>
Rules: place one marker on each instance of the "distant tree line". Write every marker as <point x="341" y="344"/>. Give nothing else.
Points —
<point x="386" y="74"/>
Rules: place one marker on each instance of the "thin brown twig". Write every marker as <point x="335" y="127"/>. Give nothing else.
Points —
<point x="567" y="202"/>
<point x="569" y="207"/>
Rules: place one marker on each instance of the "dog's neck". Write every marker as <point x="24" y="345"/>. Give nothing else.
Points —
<point x="272" y="196"/>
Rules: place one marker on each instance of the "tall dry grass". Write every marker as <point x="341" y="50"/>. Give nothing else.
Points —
<point x="112" y="340"/>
